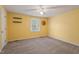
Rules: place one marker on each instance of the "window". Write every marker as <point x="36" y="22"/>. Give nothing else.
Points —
<point x="35" y="24"/>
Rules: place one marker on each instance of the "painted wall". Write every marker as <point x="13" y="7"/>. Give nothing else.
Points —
<point x="0" y="30"/>
<point x="65" y="27"/>
<point x="17" y="31"/>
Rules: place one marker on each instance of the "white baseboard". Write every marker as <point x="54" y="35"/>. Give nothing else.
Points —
<point x="64" y="40"/>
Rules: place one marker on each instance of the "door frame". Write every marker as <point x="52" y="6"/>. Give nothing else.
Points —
<point x="3" y="28"/>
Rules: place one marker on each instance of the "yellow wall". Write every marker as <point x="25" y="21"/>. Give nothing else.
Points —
<point x="22" y="30"/>
<point x="0" y="28"/>
<point x="65" y="27"/>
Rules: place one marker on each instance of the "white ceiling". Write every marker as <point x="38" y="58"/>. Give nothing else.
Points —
<point x="34" y="10"/>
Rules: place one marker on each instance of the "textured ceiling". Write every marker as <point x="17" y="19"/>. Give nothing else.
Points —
<point x="34" y="10"/>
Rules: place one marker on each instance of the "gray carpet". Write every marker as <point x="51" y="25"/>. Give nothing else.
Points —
<point x="44" y="45"/>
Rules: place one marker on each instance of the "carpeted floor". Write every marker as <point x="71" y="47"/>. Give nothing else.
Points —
<point x="44" y="45"/>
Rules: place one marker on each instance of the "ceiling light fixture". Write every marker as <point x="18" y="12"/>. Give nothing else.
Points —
<point x="41" y="13"/>
<point x="41" y="10"/>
